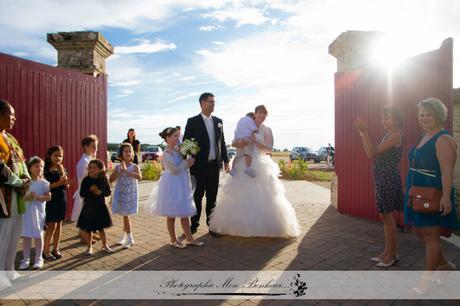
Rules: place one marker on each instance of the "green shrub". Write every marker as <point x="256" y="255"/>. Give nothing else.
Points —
<point x="298" y="170"/>
<point x="152" y="170"/>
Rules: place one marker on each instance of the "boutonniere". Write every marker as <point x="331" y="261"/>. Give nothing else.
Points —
<point x="219" y="125"/>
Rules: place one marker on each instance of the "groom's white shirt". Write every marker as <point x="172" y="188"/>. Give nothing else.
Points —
<point x="212" y="139"/>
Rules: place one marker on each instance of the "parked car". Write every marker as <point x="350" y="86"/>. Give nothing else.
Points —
<point x="304" y="153"/>
<point x="231" y="153"/>
<point x="152" y="153"/>
<point x="322" y="153"/>
<point x="114" y="157"/>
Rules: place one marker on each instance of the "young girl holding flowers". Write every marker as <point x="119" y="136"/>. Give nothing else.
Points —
<point x="175" y="194"/>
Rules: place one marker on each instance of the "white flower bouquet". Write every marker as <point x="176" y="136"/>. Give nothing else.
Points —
<point x="189" y="147"/>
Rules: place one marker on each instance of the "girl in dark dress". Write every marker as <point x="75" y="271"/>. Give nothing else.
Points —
<point x="56" y="174"/>
<point x="386" y="156"/>
<point x="94" y="215"/>
<point x="131" y="139"/>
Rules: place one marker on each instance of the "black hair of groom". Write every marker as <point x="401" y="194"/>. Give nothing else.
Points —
<point x="205" y="96"/>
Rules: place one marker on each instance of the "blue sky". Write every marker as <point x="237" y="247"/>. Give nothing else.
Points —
<point x="247" y="53"/>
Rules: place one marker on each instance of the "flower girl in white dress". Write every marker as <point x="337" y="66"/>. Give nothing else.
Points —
<point x="174" y="198"/>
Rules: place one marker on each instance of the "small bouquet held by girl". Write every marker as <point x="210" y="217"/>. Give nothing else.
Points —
<point x="189" y="147"/>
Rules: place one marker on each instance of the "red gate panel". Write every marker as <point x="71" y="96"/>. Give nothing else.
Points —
<point x="363" y="93"/>
<point x="54" y="106"/>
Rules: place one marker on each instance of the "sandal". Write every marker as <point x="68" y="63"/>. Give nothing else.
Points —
<point x="49" y="256"/>
<point x="178" y="244"/>
<point x="195" y="243"/>
<point x="107" y="249"/>
<point x="89" y="252"/>
<point x="57" y="254"/>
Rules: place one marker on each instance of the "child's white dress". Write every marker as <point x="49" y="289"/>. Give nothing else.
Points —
<point x="33" y="220"/>
<point x="174" y="197"/>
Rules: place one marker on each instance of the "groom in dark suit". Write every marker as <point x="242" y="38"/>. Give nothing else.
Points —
<point x="208" y="132"/>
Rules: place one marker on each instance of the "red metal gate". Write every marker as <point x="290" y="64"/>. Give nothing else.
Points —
<point x="363" y="93"/>
<point x="54" y="106"/>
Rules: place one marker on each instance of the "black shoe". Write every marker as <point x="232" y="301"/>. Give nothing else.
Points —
<point x="57" y="254"/>
<point x="193" y="230"/>
<point x="214" y="234"/>
<point x="48" y="257"/>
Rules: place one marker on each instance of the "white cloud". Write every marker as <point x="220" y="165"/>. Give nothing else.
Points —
<point x="266" y="59"/>
<point x="204" y="52"/>
<point x="125" y="71"/>
<point x="20" y="54"/>
<point x="124" y="83"/>
<point x="209" y="28"/>
<point x="24" y="23"/>
<point x="183" y="97"/>
<point x="146" y="46"/>
<point x="187" y="78"/>
<point x="219" y="43"/>
<point x="240" y="14"/>
<point x="125" y="93"/>
<point x="147" y="123"/>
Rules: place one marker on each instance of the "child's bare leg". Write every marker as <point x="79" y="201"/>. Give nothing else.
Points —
<point x="171" y="229"/>
<point x="186" y="228"/>
<point x="103" y="238"/>
<point x="51" y="227"/>
<point x="57" y="236"/>
<point x="127" y="224"/>
<point x="89" y="239"/>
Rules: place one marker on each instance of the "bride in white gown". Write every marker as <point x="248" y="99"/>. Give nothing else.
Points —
<point x="255" y="207"/>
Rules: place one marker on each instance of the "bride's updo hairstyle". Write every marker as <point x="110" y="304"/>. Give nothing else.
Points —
<point x="262" y="109"/>
<point x="168" y="132"/>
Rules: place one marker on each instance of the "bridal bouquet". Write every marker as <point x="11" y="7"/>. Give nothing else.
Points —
<point x="189" y="147"/>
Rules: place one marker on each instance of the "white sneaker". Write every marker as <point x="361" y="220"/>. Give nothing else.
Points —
<point x="24" y="264"/>
<point x="38" y="264"/>
<point x="122" y="241"/>
<point x="128" y="243"/>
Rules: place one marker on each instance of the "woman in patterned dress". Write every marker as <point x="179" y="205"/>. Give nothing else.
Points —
<point x="386" y="156"/>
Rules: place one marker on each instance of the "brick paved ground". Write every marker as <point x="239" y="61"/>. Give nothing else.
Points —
<point x="329" y="241"/>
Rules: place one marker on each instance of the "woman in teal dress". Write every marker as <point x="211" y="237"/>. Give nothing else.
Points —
<point x="432" y="162"/>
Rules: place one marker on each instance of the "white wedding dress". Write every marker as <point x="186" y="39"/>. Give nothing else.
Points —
<point x="255" y="207"/>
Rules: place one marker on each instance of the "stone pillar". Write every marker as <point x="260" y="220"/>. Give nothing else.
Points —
<point x="334" y="191"/>
<point x="82" y="51"/>
<point x="353" y="49"/>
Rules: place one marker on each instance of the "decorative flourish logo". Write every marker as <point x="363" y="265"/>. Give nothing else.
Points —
<point x="298" y="287"/>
